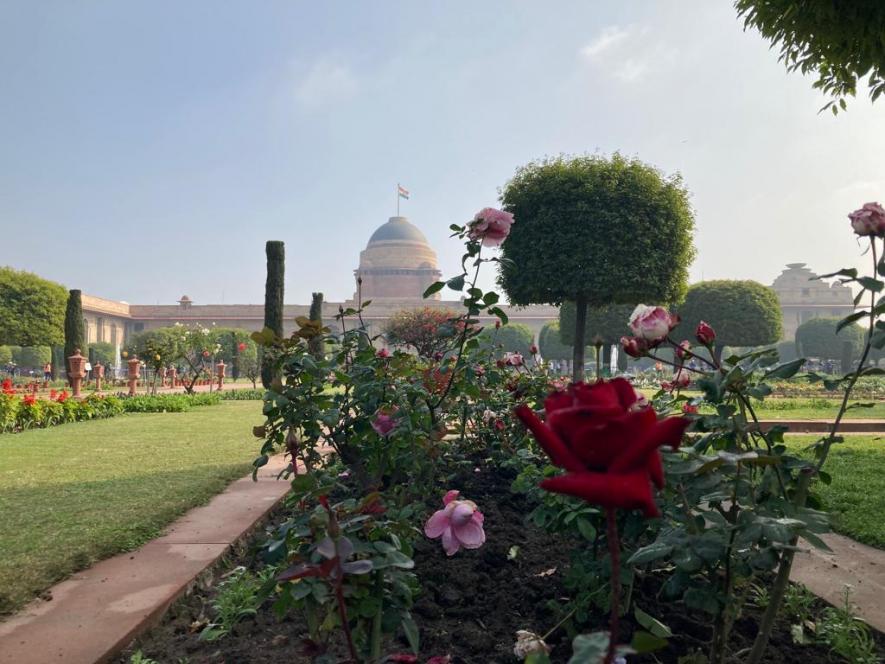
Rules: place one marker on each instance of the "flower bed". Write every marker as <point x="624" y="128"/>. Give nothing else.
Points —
<point x="19" y="413"/>
<point x="475" y="507"/>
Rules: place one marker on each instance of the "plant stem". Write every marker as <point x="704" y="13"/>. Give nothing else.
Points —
<point x="598" y="363"/>
<point x="614" y="552"/>
<point x="375" y="652"/>
<point x="781" y="580"/>
<point x="828" y="443"/>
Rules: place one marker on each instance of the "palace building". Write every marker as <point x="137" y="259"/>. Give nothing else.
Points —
<point x="394" y="270"/>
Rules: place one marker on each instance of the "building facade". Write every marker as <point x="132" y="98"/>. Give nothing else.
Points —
<point x="394" y="270"/>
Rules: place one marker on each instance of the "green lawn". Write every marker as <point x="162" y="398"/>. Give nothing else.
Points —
<point x="72" y="494"/>
<point x="856" y="497"/>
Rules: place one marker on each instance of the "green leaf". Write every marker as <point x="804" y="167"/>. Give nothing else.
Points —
<point x="871" y="284"/>
<point x="785" y="370"/>
<point x="456" y="283"/>
<point x="589" y="648"/>
<point x="586" y="529"/>
<point x="490" y="298"/>
<point x="701" y="599"/>
<point x="653" y="625"/>
<point x="851" y="273"/>
<point x="434" y="288"/>
<point x="537" y="658"/>
<point x="651" y="552"/>
<point x="848" y="320"/>
<point x="645" y="642"/>
<point x="411" y="631"/>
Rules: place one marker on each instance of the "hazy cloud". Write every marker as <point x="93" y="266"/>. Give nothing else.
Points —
<point x="326" y="82"/>
<point x="606" y="40"/>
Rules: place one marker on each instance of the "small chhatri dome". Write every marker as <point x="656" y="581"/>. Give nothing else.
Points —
<point x="397" y="263"/>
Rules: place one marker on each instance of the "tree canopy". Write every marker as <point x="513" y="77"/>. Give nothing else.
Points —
<point x="550" y="342"/>
<point x="818" y="338"/>
<point x="595" y="231"/>
<point x="743" y="313"/>
<point x="32" y="309"/>
<point x="426" y="330"/>
<point x="839" y="40"/>
<point x="608" y="324"/>
<point x="510" y="338"/>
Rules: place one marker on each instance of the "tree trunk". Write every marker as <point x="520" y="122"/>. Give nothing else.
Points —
<point x="273" y="302"/>
<point x="580" y="333"/>
<point x="606" y="359"/>
<point x="315" y="345"/>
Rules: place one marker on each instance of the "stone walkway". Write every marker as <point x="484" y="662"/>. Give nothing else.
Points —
<point x="97" y="612"/>
<point x="858" y="565"/>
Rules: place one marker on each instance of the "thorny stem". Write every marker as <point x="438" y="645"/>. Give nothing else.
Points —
<point x="828" y="442"/>
<point x="614" y="551"/>
<point x="559" y="624"/>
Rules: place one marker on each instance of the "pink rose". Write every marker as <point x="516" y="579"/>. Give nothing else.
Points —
<point x="384" y="422"/>
<point x="869" y="220"/>
<point x="652" y="323"/>
<point x="491" y="226"/>
<point x="683" y="349"/>
<point x="459" y="524"/>
<point x="513" y="359"/>
<point x="383" y="354"/>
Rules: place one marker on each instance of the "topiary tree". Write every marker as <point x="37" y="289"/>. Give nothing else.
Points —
<point x="743" y="313"/>
<point x="840" y="40"/>
<point x="595" y="231"/>
<point x="32" y="357"/>
<point x="32" y="309"/>
<point x="603" y="327"/>
<point x="551" y="347"/>
<point x="315" y="344"/>
<point x="5" y="356"/>
<point x="102" y="352"/>
<point x="510" y="338"/>
<point x="818" y="338"/>
<point x="426" y="330"/>
<point x="75" y="334"/>
<point x="273" y="301"/>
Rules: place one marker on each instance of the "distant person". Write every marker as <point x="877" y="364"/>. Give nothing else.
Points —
<point x="47" y="372"/>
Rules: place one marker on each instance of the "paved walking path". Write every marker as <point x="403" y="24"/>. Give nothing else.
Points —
<point x="821" y="426"/>
<point x="858" y="565"/>
<point x="97" y="612"/>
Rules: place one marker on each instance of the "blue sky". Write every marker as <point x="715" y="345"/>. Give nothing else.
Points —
<point x="150" y="149"/>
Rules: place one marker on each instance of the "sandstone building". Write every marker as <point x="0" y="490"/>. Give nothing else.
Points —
<point x="394" y="269"/>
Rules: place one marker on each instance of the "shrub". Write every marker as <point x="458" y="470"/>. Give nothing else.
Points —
<point x="818" y="338"/>
<point x="427" y="330"/>
<point x="510" y="338"/>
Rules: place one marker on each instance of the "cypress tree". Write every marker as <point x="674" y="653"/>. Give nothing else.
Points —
<point x="58" y="360"/>
<point x="273" y="301"/>
<point x="75" y="334"/>
<point x="316" y="314"/>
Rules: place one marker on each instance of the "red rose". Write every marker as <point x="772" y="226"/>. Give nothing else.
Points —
<point x="205" y="353"/>
<point x="607" y="441"/>
<point x="241" y="346"/>
<point x="705" y="333"/>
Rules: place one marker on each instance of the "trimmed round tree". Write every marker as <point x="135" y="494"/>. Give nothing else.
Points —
<point x="510" y="338"/>
<point x="818" y="338"/>
<point x="743" y="313"/>
<point x="595" y="231"/>
<point x="32" y="309"/>
<point x="75" y="332"/>
<point x="550" y="343"/>
<point x="273" y="301"/>
<point x="603" y="327"/>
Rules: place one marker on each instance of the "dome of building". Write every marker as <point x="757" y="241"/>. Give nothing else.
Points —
<point x="397" y="262"/>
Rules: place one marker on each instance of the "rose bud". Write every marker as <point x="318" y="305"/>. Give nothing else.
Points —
<point x="634" y="347"/>
<point x="869" y="220"/>
<point x="533" y="349"/>
<point x="683" y="349"/>
<point x="705" y="334"/>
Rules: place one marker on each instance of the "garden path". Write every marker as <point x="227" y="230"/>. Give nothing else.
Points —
<point x="97" y="612"/>
<point x="850" y="563"/>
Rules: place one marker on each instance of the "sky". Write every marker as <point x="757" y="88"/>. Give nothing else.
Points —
<point x="149" y="149"/>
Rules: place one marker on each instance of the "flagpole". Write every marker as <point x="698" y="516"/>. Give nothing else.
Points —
<point x="397" y="199"/>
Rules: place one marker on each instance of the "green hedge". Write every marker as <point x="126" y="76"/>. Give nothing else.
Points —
<point x="17" y="414"/>
<point x="242" y="395"/>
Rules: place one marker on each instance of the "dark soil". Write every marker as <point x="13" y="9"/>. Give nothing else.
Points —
<point x="472" y="603"/>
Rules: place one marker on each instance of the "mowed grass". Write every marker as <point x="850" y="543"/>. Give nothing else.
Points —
<point x="76" y="493"/>
<point x="856" y="497"/>
<point x="802" y="408"/>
